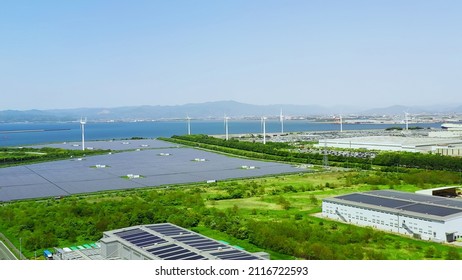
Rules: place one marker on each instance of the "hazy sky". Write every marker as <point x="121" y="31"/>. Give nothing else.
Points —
<point x="97" y="53"/>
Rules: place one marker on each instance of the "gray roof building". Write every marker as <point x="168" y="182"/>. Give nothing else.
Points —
<point x="168" y="242"/>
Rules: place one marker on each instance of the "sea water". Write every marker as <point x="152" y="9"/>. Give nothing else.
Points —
<point x="20" y="134"/>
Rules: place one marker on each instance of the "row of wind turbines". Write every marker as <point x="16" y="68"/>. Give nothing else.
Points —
<point x="281" y="120"/>
<point x="226" y="119"/>
<point x="83" y="121"/>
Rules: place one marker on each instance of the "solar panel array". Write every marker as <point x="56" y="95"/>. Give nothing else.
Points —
<point x="421" y="204"/>
<point x="74" y="176"/>
<point x="170" y="242"/>
<point x="140" y="238"/>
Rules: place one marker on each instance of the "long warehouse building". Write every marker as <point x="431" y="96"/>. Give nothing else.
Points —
<point x="421" y="216"/>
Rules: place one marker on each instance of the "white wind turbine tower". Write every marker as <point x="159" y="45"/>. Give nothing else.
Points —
<point x="263" y="122"/>
<point x="82" y="126"/>
<point x="341" y="123"/>
<point x="281" y="119"/>
<point x="189" y="125"/>
<point x="226" y="127"/>
<point x="406" y="120"/>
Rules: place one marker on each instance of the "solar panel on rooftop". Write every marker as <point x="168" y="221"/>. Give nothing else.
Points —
<point x="431" y="209"/>
<point x="222" y="253"/>
<point x="175" y="253"/>
<point x="182" y="257"/>
<point x="374" y="200"/>
<point x="162" y="248"/>
<point x="168" y="230"/>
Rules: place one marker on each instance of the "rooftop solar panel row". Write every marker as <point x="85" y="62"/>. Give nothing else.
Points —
<point x="136" y="236"/>
<point x="187" y="237"/>
<point x="182" y="256"/>
<point x="374" y="200"/>
<point x="222" y="253"/>
<point x="168" y="230"/>
<point x="431" y="209"/>
<point x="173" y="252"/>
<point x="234" y="255"/>
<point x="161" y="249"/>
<point x="148" y="242"/>
<point x="140" y="237"/>
<point x="201" y="243"/>
<point x="405" y="196"/>
<point x="128" y="233"/>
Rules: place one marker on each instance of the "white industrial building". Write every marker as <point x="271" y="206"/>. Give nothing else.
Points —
<point x="389" y="143"/>
<point x="421" y="216"/>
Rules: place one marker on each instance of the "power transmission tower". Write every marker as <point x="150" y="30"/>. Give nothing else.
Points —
<point x="325" y="161"/>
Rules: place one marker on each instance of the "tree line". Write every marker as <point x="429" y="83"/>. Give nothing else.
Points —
<point x="14" y="156"/>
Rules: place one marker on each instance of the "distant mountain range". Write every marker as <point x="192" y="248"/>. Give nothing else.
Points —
<point x="211" y="110"/>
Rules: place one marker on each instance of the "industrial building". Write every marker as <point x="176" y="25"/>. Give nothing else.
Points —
<point x="389" y="143"/>
<point x="448" y="191"/>
<point x="445" y="133"/>
<point x="159" y="242"/>
<point x="448" y="151"/>
<point x="421" y="216"/>
<point x="168" y="242"/>
<point x="452" y="126"/>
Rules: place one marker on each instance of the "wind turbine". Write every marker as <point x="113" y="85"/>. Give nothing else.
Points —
<point x="82" y="126"/>
<point x="226" y="127"/>
<point x="263" y="122"/>
<point x="406" y="120"/>
<point x="341" y="123"/>
<point x="281" y="119"/>
<point x="189" y="124"/>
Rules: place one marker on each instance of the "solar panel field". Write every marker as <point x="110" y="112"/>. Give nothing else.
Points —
<point x="152" y="163"/>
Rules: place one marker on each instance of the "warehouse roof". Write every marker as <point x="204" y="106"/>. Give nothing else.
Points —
<point x="422" y="206"/>
<point x="170" y="242"/>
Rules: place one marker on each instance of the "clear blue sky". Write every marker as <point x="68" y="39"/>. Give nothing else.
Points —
<point x="98" y="53"/>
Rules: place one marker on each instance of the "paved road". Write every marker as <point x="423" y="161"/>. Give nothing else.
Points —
<point x="5" y="253"/>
